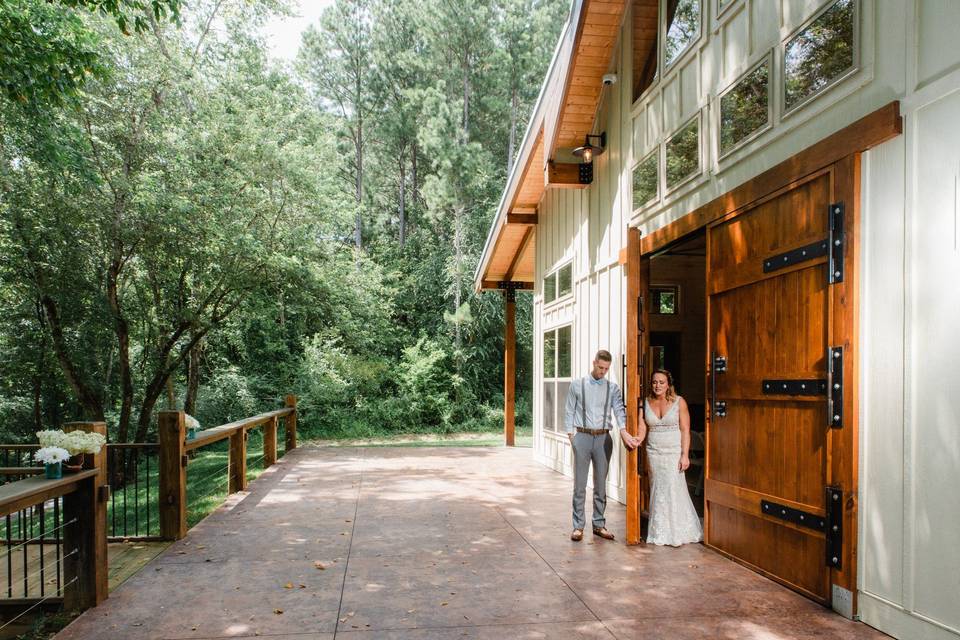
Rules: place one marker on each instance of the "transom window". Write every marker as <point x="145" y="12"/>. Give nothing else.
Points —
<point x="745" y="107"/>
<point x="558" y="284"/>
<point x="682" y="27"/>
<point x="557" y="361"/>
<point x="646" y="179"/>
<point x="683" y="154"/>
<point x="819" y="54"/>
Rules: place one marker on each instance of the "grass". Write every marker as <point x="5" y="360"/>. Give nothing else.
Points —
<point x="523" y="437"/>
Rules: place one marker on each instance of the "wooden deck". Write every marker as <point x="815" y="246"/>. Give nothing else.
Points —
<point x="432" y="543"/>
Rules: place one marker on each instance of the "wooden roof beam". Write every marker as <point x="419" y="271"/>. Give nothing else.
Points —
<point x="565" y="175"/>
<point x="522" y="218"/>
<point x="506" y="284"/>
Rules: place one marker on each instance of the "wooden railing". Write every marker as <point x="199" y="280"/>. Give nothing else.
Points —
<point x="68" y="514"/>
<point x="174" y="458"/>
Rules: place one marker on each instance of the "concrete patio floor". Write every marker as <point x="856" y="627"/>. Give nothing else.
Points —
<point x="435" y="543"/>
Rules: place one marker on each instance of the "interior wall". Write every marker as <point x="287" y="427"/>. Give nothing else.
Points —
<point x="689" y="274"/>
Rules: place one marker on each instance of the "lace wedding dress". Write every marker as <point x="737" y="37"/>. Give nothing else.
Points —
<point x="673" y="519"/>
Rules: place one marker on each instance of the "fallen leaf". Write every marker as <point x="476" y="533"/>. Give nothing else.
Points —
<point x="319" y="565"/>
<point x="278" y="611"/>
<point x="443" y="604"/>
<point x="289" y="585"/>
<point x="303" y="586"/>
<point x="343" y="619"/>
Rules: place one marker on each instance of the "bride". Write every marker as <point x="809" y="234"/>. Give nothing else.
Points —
<point x="673" y="520"/>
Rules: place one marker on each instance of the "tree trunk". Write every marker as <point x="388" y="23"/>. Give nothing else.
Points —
<point x="513" y="128"/>
<point x="414" y="184"/>
<point x="403" y="201"/>
<point x="358" y="197"/>
<point x="122" y="331"/>
<point x="88" y="399"/>
<point x="466" y="101"/>
<point x="193" y="380"/>
<point x="37" y="395"/>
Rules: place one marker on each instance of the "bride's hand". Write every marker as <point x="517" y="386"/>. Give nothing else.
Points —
<point x="684" y="464"/>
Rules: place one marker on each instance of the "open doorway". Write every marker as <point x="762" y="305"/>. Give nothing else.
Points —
<point x="678" y="332"/>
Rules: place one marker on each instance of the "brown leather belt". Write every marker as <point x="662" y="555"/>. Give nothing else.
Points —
<point x="593" y="432"/>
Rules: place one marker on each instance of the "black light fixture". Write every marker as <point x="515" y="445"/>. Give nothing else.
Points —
<point x="593" y="145"/>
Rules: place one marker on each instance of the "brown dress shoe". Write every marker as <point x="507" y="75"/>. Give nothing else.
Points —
<point x="577" y="535"/>
<point x="603" y="533"/>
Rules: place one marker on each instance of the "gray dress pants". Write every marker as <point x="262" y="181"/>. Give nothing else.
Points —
<point x="587" y="449"/>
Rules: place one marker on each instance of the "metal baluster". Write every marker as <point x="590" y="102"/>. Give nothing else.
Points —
<point x="125" y="483"/>
<point x="112" y="464"/>
<point x="147" y="460"/>
<point x="9" y="560"/>
<point x="24" y="539"/>
<point x="136" y="492"/>
<point x="56" y="523"/>
<point x="42" y="533"/>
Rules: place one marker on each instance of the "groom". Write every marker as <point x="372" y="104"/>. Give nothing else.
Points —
<point x="587" y="420"/>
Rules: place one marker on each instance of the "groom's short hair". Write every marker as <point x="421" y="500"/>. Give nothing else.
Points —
<point x="604" y="355"/>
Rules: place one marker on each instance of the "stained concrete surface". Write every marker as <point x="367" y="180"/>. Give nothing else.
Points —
<point x="436" y="543"/>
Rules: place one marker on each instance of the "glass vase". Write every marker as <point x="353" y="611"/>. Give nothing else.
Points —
<point x="53" y="471"/>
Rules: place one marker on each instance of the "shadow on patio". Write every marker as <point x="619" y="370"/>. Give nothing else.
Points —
<point x="435" y="543"/>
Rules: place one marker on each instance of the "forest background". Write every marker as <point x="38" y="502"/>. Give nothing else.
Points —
<point x="186" y="222"/>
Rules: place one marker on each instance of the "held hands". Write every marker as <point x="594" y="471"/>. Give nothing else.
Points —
<point x="629" y="441"/>
<point x="684" y="464"/>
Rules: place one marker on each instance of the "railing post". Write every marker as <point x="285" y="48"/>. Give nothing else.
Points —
<point x="291" y="401"/>
<point x="238" y="461"/>
<point x="270" y="443"/>
<point x="88" y="535"/>
<point x="172" y="433"/>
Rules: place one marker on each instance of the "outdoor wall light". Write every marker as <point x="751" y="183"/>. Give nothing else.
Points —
<point x="593" y="145"/>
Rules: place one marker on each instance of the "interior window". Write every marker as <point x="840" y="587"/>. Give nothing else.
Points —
<point x="565" y="280"/>
<point x="550" y="288"/>
<point x="820" y="54"/>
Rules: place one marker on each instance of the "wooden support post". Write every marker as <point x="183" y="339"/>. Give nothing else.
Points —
<point x="509" y="366"/>
<point x="172" y="433"/>
<point x="238" y="461"/>
<point x="633" y="380"/>
<point x="88" y="534"/>
<point x="270" y="443"/>
<point x="291" y="401"/>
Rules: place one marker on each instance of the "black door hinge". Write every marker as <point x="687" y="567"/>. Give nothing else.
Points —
<point x="834" y="551"/>
<point x="836" y="238"/>
<point x="835" y="387"/>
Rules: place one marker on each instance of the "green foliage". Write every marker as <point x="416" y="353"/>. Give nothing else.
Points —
<point x="191" y="217"/>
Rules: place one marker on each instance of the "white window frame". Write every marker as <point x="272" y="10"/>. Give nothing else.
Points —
<point x="667" y="190"/>
<point x="855" y="67"/>
<point x="717" y="120"/>
<point x="556" y="273"/>
<point x="656" y="196"/>
<point x="554" y="380"/>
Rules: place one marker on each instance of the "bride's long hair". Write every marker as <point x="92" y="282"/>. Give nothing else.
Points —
<point x="671" y="392"/>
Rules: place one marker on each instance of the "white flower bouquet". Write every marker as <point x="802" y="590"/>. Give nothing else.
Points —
<point x="51" y="455"/>
<point x="52" y="459"/>
<point x="75" y="442"/>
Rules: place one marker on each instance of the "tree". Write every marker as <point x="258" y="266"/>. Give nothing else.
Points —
<point x="335" y="60"/>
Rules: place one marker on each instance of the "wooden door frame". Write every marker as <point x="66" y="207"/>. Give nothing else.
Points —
<point x="842" y="149"/>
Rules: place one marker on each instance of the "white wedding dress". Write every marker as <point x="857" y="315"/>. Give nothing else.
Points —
<point x="673" y="519"/>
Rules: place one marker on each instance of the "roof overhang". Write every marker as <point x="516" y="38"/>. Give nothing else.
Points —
<point x="564" y="113"/>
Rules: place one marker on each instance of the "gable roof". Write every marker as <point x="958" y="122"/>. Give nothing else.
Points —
<point x="563" y="114"/>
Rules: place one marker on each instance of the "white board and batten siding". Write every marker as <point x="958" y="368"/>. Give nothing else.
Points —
<point x="910" y="313"/>
<point x="909" y="529"/>
<point x="587" y="227"/>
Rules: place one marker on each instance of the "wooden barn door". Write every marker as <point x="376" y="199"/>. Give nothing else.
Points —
<point x="775" y="376"/>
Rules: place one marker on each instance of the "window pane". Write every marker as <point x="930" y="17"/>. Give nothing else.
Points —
<point x="645" y="181"/>
<point x="658" y="357"/>
<point x="564" y="352"/>
<point x="683" y="27"/>
<point x="550" y="354"/>
<point x="819" y="54"/>
<point x="562" y="389"/>
<point x="645" y="13"/>
<point x="668" y="302"/>
<point x="744" y="109"/>
<point x="550" y="288"/>
<point x="565" y="281"/>
<point x="549" y="408"/>
<point x="683" y="154"/>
